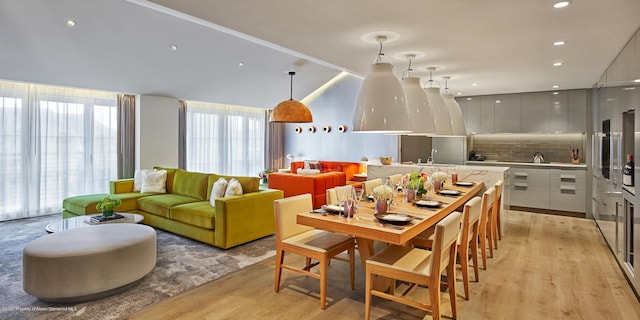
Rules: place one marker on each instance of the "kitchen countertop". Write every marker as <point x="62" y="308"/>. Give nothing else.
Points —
<point x="550" y="165"/>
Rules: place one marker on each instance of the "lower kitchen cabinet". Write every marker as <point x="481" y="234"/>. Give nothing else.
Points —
<point x="567" y="190"/>
<point x="530" y="188"/>
<point x="553" y="189"/>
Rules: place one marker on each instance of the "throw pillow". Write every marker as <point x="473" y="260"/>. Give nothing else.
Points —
<point x="314" y="165"/>
<point x="154" y="181"/>
<point x="217" y="191"/>
<point x="137" y="179"/>
<point x="234" y="188"/>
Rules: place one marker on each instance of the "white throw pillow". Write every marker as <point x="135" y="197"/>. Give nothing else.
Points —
<point x="217" y="191"/>
<point x="234" y="188"/>
<point x="137" y="179"/>
<point x="154" y="181"/>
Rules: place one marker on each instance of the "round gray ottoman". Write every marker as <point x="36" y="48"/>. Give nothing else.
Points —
<point x="88" y="263"/>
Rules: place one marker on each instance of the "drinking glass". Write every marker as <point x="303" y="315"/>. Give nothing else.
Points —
<point x="357" y="196"/>
<point x="340" y="198"/>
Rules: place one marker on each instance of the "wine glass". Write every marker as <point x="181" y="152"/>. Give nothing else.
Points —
<point x="340" y="198"/>
<point x="357" y="196"/>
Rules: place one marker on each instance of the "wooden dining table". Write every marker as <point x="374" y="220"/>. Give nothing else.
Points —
<point x="366" y="228"/>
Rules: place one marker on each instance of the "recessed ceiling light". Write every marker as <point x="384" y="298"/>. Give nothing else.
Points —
<point x="497" y="101"/>
<point x="468" y="99"/>
<point x="556" y="92"/>
<point x="174" y="47"/>
<point x="559" y="43"/>
<point x="459" y="93"/>
<point x="240" y="64"/>
<point x="474" y="84"/>
<point x="561" y="4"/>
<point x="71" y="23"/>
<point x="636" y="80"/>
<point x="556" y="86"/>
<point x="557" y="64"/>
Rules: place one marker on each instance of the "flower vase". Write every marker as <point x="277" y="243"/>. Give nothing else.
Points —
<point x="265" y="180"/>
<point x="107" y="213"/>
<point x="381" y="206"/>
<point x="411" y="195"/>
<point x="437" y="185"/>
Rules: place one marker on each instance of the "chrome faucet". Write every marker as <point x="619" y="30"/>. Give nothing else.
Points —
<point x="430" y="160"/>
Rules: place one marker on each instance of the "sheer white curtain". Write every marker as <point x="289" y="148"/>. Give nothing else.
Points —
<point x="224" y="139"/>
<point x="56" y="142"/>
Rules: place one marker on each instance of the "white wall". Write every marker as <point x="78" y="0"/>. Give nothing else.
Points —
<point x="156" y="132"/>
<point x="335" y="107"/>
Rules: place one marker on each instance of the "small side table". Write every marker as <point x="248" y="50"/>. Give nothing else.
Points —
<point x="360" y="177"/>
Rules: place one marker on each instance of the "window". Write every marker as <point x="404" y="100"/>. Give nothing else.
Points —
<point x="57" y="143"/>
<point x="225" y="139"/>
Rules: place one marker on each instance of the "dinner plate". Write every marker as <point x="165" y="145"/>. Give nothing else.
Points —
<point x="464" y="183"/>
<point x="428" y="203"/>
<point x="332" y="208"/>
<point x="394" y="218"/>
<point x="449" y="192"/>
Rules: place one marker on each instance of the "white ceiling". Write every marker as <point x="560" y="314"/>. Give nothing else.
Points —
<point x="123" y="46"/>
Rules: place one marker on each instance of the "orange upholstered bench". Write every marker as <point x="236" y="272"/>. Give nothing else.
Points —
<point x="349" y="168"/>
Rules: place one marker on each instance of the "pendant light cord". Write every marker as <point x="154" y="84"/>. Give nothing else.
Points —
<point x="291" y="73"/>
<point x="380" y="53"/>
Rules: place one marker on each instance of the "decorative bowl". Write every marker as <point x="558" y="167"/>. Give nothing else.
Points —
<point x="386" y="160"/>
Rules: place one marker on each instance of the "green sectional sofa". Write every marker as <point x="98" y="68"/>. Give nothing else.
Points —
<point x="185" y="208"/>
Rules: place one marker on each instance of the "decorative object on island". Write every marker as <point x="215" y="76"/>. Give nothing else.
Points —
<point x="420" y="114"/>
<point x="381" y="106"/>
<point x="342" y="128"/>
<point x="264" y="175"/>
<point x="386" y="160"/>
<point x="382" y="195"/>
<point x="363" y="163"/>
<point x="291" y="111"/>
<point x="326" y="129"/>
<point x="107" y="205"/>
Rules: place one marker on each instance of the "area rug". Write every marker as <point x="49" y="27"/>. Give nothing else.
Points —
<point x="183" y="264"/>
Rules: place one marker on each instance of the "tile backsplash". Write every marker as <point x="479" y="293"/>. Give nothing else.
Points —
<point x="521" y="147"/>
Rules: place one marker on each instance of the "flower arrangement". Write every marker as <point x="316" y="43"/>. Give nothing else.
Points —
<point x="108" y="203"/>
<point x="264" y="173"/>
<point x="439" y="176"/>
<point x="382" y="192"/>
<point x="415" y="181"/>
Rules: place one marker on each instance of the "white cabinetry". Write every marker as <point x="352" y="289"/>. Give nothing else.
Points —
<point x="567" y="190"/>
<point x="508" y="113"/>
<point x="530" y="188"/>
<point x="554" y="189"/>
<point x="487" y="114"/>
<point x="535" y="112"/>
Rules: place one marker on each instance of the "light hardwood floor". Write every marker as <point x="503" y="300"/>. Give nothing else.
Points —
<point x="547" y="267"/>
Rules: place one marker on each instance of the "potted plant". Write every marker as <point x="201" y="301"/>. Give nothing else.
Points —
<point x="107" y="205"/>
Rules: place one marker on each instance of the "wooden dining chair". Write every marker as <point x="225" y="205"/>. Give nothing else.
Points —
<point x="306" y="241"/>
<point x="418" y="267"/>
<point x="484" y="228"/>
<point x="370" y="184"/>
<point x="394" y="179"/>
<point x="332" y="193"/>
<point x="466" y="243"/>
<point x="497" y="210"/>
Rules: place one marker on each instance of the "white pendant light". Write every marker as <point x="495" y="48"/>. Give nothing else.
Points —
<point x="440" y="110"/>
<point x="420" y="114"/>
<point x="381" y="106"/>
<point x="457" y="120"/>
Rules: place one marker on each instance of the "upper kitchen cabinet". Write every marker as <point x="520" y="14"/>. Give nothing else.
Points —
<point x="577" y="118"/>
<point x="472" y="113"/>
<point x="536" y="112"/>
<point x="508" y="113"/>
<point x="487" y="114"/>
<point x="558" y="111"/>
